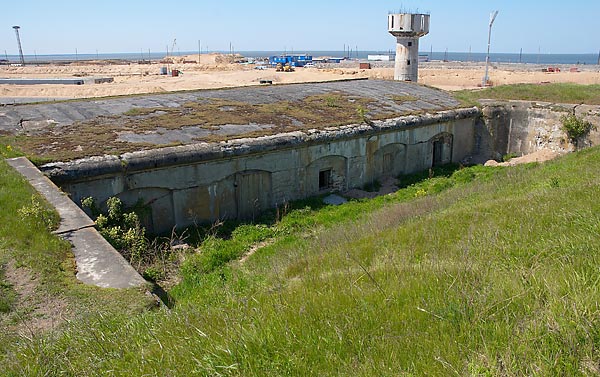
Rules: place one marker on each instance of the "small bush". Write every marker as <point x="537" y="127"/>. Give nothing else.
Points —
<point x="153" y="273"/>
<point x="509" y="156"/>
<point x="121" y="229"/>
<point x="36" y="212"/>
<point x="576" y="127"/>
<point x="331" y="101"/>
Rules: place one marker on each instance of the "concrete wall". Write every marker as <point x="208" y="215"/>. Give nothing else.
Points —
<point x="239" y="179"/>
<point x="201" y="183"/>
<point x="523" y="127"/>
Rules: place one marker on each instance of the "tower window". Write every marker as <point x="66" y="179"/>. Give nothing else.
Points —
<point x="408" y="62"/>
<point x="409" y="44"/>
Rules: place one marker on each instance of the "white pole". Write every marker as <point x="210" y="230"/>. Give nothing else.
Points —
<point x="487" y="58"/>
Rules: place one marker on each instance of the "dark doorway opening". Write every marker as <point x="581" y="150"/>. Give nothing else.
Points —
<point x="325" y="179"/>
<point x="438" y="152"/>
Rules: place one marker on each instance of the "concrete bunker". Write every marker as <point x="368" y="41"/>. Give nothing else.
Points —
<point x="202" y="183"/>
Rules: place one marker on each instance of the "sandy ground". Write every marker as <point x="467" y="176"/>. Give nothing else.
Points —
<point x="214" y="71"/>
<point x="541" y="155"/>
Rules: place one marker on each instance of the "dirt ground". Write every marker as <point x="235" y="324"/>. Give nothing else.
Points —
<point x="537" y="156"/>
<point x="214" y="71"/>
<point x="36" y="312"/>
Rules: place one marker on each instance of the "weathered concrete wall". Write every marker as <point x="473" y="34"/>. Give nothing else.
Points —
<point x="523" y="127"/>
<point x="239" y="179"/>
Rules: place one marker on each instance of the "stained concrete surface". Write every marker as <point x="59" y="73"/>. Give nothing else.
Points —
<point x="16" y="119"/>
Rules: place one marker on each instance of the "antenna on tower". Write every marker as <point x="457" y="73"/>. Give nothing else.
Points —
<point x="19" y="43"/>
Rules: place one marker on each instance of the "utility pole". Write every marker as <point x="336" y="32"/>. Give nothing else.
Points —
<point x="521" y="55"/>
<point x="19" y="43"/>
<point x="487" y="58"/>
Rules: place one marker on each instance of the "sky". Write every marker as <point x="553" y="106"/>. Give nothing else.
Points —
<point x="53" y="27"/>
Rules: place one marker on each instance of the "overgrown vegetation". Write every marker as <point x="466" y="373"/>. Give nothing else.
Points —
<point x="212" y="116"/>
<point x="38" y="288"/>
<point x="7" y="293"/>
<point x="101" y="135"/>
<point x="154" y="257"/>
<point x="468" y="271"/>
<point x="555" y="93"/>
<point x="575" y="127"/>
<point x="509" y="156"/>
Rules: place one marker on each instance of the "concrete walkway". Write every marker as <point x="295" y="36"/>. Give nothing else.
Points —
<point x="98" y="263"/>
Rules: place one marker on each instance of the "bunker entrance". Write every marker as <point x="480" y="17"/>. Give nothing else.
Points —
<point x="438" y="150"/>
<point x="324" y="179"/>
<point x="253" y="193"/>
<point x="441" y="147"/>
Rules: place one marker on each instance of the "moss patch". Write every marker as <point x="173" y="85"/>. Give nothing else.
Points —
<point x="100" y="136"/>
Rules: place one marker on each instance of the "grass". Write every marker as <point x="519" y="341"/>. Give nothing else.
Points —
<point x="100" y="135"/>
<point x="554" y="93"/>
<point x="468" y="271"/>
<point x="42" y="282"/>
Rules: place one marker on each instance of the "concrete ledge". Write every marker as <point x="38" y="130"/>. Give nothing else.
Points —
<point x="62" y="172"/>
<point x="71" y="216"/>
<point x="42" y="81"/>
<point x="98" y="263"/>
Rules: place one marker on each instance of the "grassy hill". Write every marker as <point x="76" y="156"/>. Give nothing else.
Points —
<point x="554" y="93"/>
<point x="474" y="271"/>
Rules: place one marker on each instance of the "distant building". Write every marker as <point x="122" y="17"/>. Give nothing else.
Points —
<point x="293" y="60"/>
<point x="380" y="58"/>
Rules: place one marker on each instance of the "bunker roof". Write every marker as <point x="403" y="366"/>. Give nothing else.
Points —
<point x="75" y="129"/>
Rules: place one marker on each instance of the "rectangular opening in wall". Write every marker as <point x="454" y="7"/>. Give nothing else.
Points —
<point x="388" y="166"/>
<point x="409" y="44"/>
<point x="408" y="62"/>
<point x="324" y="179"/>
<point x="438" y="150"/>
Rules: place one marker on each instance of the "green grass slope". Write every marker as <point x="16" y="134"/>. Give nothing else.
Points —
<point x="38" y="289"/>
<point x="491" y="271"/>
<point x="554" y="93"/>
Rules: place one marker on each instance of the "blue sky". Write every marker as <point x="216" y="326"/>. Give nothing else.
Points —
<point x="49" y="27"/>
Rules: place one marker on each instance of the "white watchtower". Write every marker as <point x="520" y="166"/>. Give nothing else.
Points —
<point x="407" y="28"/>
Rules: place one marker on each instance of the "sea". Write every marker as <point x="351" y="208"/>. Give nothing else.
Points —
<point x="584" y="59"/>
